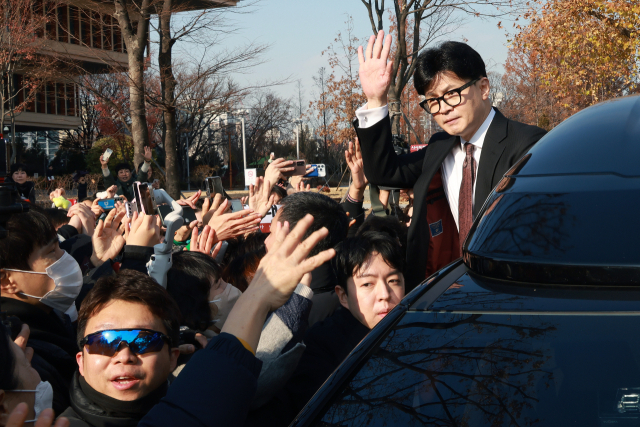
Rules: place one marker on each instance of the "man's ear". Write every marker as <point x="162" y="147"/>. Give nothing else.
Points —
<point x="485" y="88"/>
<point x="80" y="362"/>
<point x="342" y="296"/>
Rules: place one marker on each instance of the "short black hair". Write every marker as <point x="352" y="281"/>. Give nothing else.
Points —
<point x="355" y="253"/>
<point x="456" y="57"/>
<point x="276" y="189"/>
<point x="123" y="165"/>
<point x="18" y="166"/>
<point x="326" y="213"/>
<point x="58" y="217"/>
<point x="385" y="224"/>
<point x="26" y="232"/>
<point x="131" y="286"/>
<point x="8" y="378"/>
<point x="189" y="283"/>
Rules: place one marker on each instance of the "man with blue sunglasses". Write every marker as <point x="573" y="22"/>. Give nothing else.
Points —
<point x="128" y="330"/>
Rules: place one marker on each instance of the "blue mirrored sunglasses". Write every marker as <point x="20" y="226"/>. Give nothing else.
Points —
<point x="139" y="341"/>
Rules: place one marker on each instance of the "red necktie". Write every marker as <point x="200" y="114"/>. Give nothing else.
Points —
<point x="465" y="201"/>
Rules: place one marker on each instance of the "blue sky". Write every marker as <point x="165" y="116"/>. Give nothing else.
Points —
<point x="299" y="30"/>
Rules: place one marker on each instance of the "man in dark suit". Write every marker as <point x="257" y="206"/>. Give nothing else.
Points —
<point x="453" y="176"/>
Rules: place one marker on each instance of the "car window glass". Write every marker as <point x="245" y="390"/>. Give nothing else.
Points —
<point x="484" y="369"/>
<point x="471" y="292"/>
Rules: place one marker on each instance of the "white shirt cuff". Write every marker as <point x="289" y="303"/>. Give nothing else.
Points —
<point x="369" y="117"/>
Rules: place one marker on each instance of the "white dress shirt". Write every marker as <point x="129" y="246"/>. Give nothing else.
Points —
<point x="452" y="164"/>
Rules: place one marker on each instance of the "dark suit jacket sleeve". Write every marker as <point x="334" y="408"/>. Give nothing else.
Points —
<point x="355" y="211"/>
<point x="382" y="166"/>
<point x="214" y="389"/>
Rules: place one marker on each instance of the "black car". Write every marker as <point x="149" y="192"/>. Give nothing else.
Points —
<point x="539" y="323"/>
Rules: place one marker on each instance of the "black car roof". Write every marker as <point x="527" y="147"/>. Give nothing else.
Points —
<point x="567" y="212"/>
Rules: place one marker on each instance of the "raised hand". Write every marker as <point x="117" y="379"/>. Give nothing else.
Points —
<point x="354" y="161"/>
<point x="144" y="231"/>
<point x="278" y="274"/>
<point x="375" y="70"/>
<point x="260" y="197"/>
<point x="107" y="239"/>
<point x="147" y="154"/>
<point x="227" y="226"/>
<point x="190" y="201"/>
<point x="86" y="216"/>
<point x="275" y="170"/>
<point x="111" y="191"/>
<point x="206" y="241"/>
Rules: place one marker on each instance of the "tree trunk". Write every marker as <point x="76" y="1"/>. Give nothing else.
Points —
<point x="135" y="38"/>
<point x="139" y="130"/>
<point x="168" y="84"/>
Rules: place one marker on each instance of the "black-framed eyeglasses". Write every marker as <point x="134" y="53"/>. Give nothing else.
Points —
<point x="452" y="98"/>
<point x="139" y="341"/>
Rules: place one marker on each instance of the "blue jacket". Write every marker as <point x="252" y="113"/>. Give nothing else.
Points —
<point x="214" y="389"/>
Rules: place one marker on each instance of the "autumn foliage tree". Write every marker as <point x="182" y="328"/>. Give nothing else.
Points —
<point x="581" y="51"/>
<point x="342" y="94"/>
<point x="19" y="59"/>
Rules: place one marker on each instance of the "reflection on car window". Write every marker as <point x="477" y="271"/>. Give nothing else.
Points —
<point x="448" y="369"/>
<point x="473" y="293"/>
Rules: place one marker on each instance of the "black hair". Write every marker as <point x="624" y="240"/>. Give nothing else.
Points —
<point x="326" y="213"/>
<point x="456" y="57"/>
<point x="123" y="165"/>
<point x="131" y="286"/>
<point x="89" y="198"/>
<point x="26" y="232"/>
<point x="18" y="166"/>
<point x="58" y="217"/>
<point x="355" y="253"/>
<point x="240" y="246"/>
<point x="189" y="283"/>
<point x="276" y="189"/>
<point x="8" y="378"/>
<point x="385" y="224"/>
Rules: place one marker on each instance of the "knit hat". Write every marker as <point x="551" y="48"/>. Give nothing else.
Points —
<point x="123" y="165"/>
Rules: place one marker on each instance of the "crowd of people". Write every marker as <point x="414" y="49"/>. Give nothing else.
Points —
<point x="250" y="324"/>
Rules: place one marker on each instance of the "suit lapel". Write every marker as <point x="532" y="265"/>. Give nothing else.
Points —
<point x="492" y="149"/>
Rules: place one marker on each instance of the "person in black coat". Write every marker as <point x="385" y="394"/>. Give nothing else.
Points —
<point x="26" y="189"/>
<point x="369" y="284"/>
<point x="454" y="81"/>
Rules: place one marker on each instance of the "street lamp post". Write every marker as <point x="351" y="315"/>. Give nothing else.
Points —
<point x="244" y="152"/>
<point x="298" y="122"/>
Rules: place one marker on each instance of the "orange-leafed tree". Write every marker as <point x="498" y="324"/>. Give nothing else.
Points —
<point x="524" y="94"/>
<point x="342" y="95"/>
<point x="584" y="51"/>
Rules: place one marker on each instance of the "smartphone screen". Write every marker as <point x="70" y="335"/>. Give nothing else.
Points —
<point x="163" y="211"/>
<point x="214" y="186"/>
<point x="107" y="204"/>
<point x="143" y="198"/>
<point x="189" y="215"/>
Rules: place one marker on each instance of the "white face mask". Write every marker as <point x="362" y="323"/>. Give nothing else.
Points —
<point x="44" y="398"/>
<point x="224" y="303"/>
<point x="67" y="276"/>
